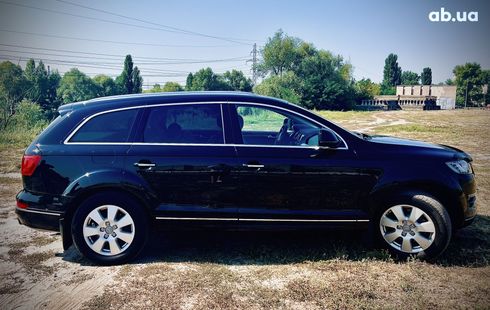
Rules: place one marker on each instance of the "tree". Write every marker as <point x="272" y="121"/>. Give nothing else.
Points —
<point x="188" y="81"/>
<point x="469" y="79"/>
<point x="42" y="87"/>
<point x="76" y="86"/>
<point x="13" y="86"/>
<point x="137" y="81"/>
<point x="391" y="75"/>
<point x="366" y="89"/>
<point x="279" y="54"/>
<point x="107" y="85"/>
<point x="52" y="99"/>
<point x="206" y="79"/>
<point x="172" y="87"/>
<point x="285" y="87"/>
<point x="236" y="80"/>
<point x="37" y="78"/>
<point x="409" y="78"/>
<point x="130" y="81"/>
<point x="157" y="88"/>
<point x="449" y="82"/>
<point x="323" y="83"/>
<point x="28" y="114"/>
<point x="426" y="76"/>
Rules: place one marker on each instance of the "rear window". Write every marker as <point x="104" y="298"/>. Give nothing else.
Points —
<point x="107" y="127"/>
<point x="195" y="124"/>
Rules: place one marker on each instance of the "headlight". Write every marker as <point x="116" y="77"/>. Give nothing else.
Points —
<point x="459" y="166"/>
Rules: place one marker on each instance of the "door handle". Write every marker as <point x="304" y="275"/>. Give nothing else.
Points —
<point x="144" y="165"/>
<point x="253" y="165"/>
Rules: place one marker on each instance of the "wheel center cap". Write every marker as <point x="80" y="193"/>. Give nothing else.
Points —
<point x="109" y="230"/>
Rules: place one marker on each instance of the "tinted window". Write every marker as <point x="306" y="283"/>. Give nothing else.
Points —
<point x="266" y="126"/>
<point x="107" y="127"/>
<point x="199" y="123"/>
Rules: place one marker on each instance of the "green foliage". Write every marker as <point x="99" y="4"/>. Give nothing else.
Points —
<point x="206" y="79"/>
<point x="284" y="87"/>
<point x="391" y="74"/>
<point x="107" y="85"/>
<point x="410" y="78"/>
<point x="42" y="87"/>
<point x="237" y="81"/>
<point x="188" y="81"/>
<point x="28" y="113"/>
<point x="76" y="86"/>
<point x="27" y="122"/>
<point x="137" y="81"/>
<point x="172" y="87"/>
<point x="280" y="54"/>
<point x="470" y="79"/>
<point x="13" y="86"/>
<point x="323" y="83"/>
<point x="157" y="88"/>
<point x="315" y="78"/>
<point x="449" y="82"/>
<point x="426" y="76"/>
<point x="130" y="80"/>
<point x="366" y="89"/>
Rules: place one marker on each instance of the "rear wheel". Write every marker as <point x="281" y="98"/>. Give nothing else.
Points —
<point x="109" y="228"/>
<point x="414" y="225"/>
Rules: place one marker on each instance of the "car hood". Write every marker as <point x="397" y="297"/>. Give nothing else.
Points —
<point x="459" y="154"/>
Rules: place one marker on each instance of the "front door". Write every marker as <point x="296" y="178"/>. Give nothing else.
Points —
<point x="287" y="176"/>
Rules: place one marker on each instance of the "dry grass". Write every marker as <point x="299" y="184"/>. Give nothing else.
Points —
<point x="257" y="270"/>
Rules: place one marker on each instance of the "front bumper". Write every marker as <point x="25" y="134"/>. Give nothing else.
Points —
<point x="467" y="199"/>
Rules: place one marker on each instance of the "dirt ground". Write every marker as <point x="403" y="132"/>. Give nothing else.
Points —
<point x="256" y="270"/>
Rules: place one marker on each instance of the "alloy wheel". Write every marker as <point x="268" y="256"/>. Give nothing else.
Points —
<point x="407" y="229"/>
<point x="108" y="230"/>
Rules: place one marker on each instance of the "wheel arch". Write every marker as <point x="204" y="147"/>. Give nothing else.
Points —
<point x="449" y="198"/>
<point x="84" y="194"/>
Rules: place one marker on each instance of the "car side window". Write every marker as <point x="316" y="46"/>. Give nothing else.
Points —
<point x="266" y="126"/>
<point x="107" y="127"/>
<point x="186" y="123"/>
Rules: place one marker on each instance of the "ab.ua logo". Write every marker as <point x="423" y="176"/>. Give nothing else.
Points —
<point x="444" y="16"/>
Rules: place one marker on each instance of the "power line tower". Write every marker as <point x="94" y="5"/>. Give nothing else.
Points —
<point x="254" y="63"/>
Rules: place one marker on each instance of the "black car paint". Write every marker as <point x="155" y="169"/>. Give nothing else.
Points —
<point x="222" y="185"/>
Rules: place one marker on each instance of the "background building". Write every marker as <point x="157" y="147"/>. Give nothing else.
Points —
<point x="423" y="97"/>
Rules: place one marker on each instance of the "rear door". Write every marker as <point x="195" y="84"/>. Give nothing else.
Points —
<point x="181" y="153"/>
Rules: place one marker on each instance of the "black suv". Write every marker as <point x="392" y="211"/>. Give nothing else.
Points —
<point x="107" y="171"/>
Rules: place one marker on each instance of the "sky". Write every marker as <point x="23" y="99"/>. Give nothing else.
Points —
<point x="169" y="39"/>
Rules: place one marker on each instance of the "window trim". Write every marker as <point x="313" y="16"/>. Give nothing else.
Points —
<point x="221" y="103"/>
<point x="74" y="131"/>
<point x="130" y="134"/>
<point x="346" y="147"/>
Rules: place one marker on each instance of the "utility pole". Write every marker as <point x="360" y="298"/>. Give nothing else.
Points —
<point x="254" y="63"/>
<point x="466" y="95"/>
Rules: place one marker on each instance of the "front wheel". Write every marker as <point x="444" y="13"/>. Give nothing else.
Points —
<point x="109" y="228"/>
<point x="414" y="225"/>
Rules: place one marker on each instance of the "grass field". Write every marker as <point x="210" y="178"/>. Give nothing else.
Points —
<point x="245" y="270"/>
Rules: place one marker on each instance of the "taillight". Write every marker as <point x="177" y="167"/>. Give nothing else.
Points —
<point x="29" y="164"/>
<point x="21" y="205"/>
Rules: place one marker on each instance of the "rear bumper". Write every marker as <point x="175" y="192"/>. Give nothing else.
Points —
<point x="42" y="212"/>
<point x="39" y="219"/>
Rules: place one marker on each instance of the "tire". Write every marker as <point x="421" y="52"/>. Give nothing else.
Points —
<point x="413" y="224"/>
<point x="110" y="228"/>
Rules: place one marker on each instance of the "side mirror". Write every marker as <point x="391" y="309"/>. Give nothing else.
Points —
<point x="328" y="139"/>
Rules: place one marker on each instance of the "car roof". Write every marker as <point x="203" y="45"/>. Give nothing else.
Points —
<point x="123" y="101"/>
